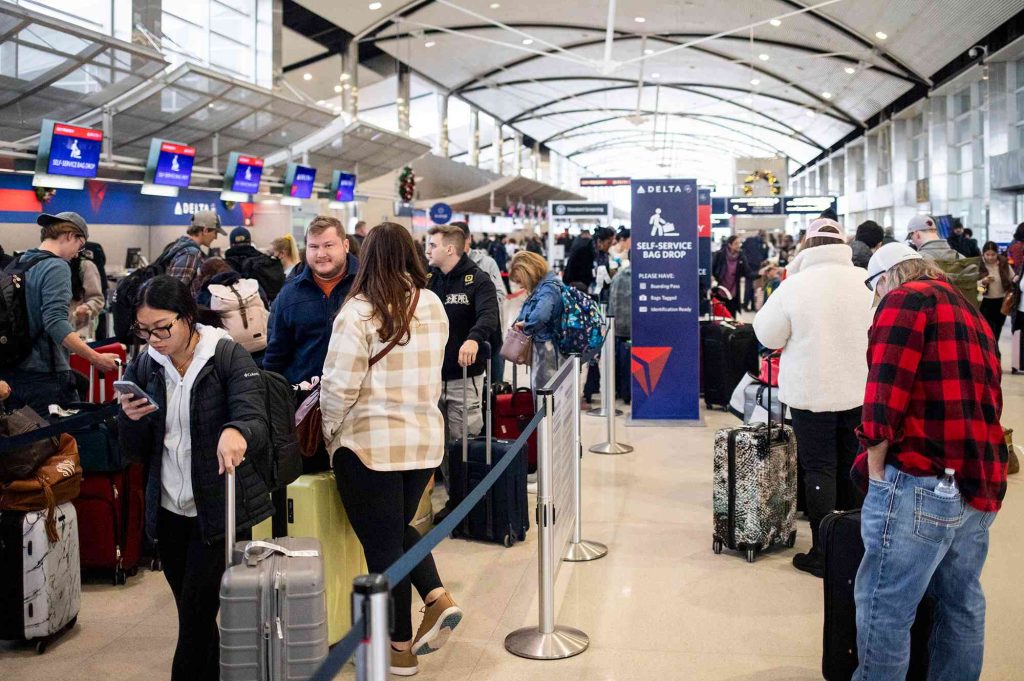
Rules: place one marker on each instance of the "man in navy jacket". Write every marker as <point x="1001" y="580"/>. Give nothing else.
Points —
<point x="303" y="312"/>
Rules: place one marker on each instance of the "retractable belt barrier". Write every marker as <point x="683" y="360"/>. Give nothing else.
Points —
<point x="83" y="419"/>
<point x="369" y="595"/>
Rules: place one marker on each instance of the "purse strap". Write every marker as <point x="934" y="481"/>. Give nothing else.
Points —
<point x="405" y="329"/>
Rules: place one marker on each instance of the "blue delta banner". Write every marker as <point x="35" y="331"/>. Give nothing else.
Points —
<point x="665" y="361"/>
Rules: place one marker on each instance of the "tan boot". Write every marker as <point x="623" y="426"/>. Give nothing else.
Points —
<point x="439" y="619"/>
<point x="403" y="663"/>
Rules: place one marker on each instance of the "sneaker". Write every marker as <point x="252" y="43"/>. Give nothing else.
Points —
<point x="403" y="663"/>
<point x="439" y="619"/>
<point x="531" y="483"/>
<point x="813" y="563"/>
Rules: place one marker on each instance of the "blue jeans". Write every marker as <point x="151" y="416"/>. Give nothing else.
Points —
<point x="918" y="543"/>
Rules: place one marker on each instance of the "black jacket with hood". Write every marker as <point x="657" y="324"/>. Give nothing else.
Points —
<point x="471" y="303"/>
<point x="217" y="402"/>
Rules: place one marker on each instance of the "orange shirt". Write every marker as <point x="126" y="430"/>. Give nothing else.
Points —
<point x="327" y="285"/>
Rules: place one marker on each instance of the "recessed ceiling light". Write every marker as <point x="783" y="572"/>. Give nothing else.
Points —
<point x="321" y="102"/>
<point x="527" y="41"/>
<point x="375" y="6"/>
<point x="655" y="75"/>
<point x="775" y="22"/>
<point x="880" y="35"/>
<point x="826" y="95"/>
<point x="337" y="88"/>
<point x="639" y="20"/>
<point x="755" y="81"/>
<point x="850" y="70"/>
<point x="307" y="76"/>
<point x="429" y="43"/>
<point x="810" y="114"/>
<point x="345" y="86"/>
<point x="495" y="5"/>
<point x="648" y="51"/>
<point x="763" y="57"/>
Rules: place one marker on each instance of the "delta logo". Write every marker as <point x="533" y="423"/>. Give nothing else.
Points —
<point x="647" y="366"/>
<point x="664" y="189"/>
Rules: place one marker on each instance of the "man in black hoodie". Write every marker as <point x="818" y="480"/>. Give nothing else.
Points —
<point x="471" y="302"/>
<point x="251" y="263"/>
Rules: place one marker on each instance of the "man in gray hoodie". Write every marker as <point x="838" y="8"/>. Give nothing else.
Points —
<point x="490" y="267"/>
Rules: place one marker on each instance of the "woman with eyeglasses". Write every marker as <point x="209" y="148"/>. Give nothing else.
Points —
<point x="205" y="415"/>
<point x="820" y="316"/>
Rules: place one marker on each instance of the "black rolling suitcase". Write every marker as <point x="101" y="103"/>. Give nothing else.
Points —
<point x="502" y="515"/>
<point x="727" y="351"/>
<point x="844" y="549"/>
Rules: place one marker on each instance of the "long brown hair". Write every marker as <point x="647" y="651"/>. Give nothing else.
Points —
<point x="389" y="269"/>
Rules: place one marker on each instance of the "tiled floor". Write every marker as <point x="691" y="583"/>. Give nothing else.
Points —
<point x="661" y="606"/>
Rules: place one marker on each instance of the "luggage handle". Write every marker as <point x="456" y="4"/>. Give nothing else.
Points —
<point x="103" y="384"/>
<point x="253" y="557"/>
<point x="229" y="518"/>
<point x="769" y="407"/>
<point x="485" y="347"/>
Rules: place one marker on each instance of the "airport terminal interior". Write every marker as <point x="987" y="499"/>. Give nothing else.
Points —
<point x="694" y="153"/>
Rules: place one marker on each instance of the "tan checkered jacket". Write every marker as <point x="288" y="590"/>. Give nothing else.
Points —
<point x="388" y="414"/>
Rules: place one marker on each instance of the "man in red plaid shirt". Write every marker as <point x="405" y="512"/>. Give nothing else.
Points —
<point x="932" y="404"/>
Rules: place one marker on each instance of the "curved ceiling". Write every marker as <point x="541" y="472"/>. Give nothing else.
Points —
<point x="746" y="77"/>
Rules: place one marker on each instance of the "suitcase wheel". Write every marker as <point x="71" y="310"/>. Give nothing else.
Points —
<point x="507" y="541"/>
<point x="41" y="646"/>
<point x="751" y="555"/>
<point x="156" y="565"/>
<point x="119" y="576"/>
<point x="716" y="545"/>
<point x="791" y="539"/>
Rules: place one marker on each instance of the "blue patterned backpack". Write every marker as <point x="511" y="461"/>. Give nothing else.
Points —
<point x="582" y="328"/>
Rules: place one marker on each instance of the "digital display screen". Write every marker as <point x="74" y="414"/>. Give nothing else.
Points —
<point x="74" y="151"/>
<point x="302" y="182"/>
<point x="248" y="171"/>
<point x="344" y="186"/>
<point x="174" y="164"/>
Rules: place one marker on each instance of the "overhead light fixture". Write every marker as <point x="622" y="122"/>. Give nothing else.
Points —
<point x="655" y="75"/>
<point x="639" y="20"/>
<point x="345" y="86"/>
<point x="881" y="36"/>
<point x="307" y="76"/>
<point x="374" y="6"/>
<point x="495" y="5"/>
<point x="337" y="88"/>
<point x="755" y="81"/>
<point x="527" y="41"/>
<point x="775" y="22"/>
<point x="648" y="51"/>
<point x="850" y="70"/>
<point x="826" y="95"/>
<point x="344" y="76"/>
<point x="810" y="114"/>
<point x="763" y="57"/>
<point x="429" y="43"/>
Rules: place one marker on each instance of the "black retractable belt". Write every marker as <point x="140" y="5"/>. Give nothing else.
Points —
<point x="78" y="421"/>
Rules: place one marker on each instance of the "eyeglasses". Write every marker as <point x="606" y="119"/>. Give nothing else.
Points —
<point x="870" y="281"/>
<point x="159" y="332"/>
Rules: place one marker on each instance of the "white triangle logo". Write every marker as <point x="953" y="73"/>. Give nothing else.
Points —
<point x="177" y="208"/>
<point x="640" y="190"/>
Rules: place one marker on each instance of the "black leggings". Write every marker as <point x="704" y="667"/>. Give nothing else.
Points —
<point x="991" y="310"/>
<point x="826" y="445"/>
<point x="194" y="570"/>
<point x="380" y="505"/>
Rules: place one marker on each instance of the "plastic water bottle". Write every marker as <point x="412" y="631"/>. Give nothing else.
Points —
<point x="947" y="486"/>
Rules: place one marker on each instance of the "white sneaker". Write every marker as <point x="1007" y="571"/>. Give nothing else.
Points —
<point x="531" y="483"/>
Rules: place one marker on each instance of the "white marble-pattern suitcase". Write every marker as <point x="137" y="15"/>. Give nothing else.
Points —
<point x="52" y="573"/>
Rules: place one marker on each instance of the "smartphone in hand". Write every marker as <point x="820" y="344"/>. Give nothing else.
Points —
<point x="130" y="388"/>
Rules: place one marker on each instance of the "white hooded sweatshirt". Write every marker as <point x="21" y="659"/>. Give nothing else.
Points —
<point x="176" y="463"/>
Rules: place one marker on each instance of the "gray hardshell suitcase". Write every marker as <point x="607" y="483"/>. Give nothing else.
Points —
<point x="755" y="487"/>
<point x="273" y="607"/>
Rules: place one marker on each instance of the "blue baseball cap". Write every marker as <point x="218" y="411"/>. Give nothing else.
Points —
<point x="240" y="235"/>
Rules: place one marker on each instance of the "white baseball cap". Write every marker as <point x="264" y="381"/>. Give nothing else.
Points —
<point x="887" y="257"/>
<point x="921" y="223"/>
<point x="815" y="230"/>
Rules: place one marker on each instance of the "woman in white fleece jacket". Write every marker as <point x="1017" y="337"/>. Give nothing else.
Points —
<point x="820" y="316"/>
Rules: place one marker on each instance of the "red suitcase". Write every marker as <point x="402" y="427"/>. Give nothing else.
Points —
<point x="110" y="509"/>
<point x="512" y="413"/>
<point x="101" y="391"/>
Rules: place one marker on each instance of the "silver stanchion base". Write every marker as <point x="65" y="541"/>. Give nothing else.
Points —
<point x="563" y="642"/>
<point x="599" y="411"/>
<point x="611" y="448"/>
<point x="585" y="550"/>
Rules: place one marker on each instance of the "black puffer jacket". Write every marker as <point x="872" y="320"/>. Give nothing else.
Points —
<point x="217" y="402"/>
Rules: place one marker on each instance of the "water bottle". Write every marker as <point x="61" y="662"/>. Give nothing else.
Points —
<point x="947" y="485"/>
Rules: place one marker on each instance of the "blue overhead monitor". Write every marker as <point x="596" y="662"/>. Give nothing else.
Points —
<point x="169" y="164"/>
<point x="343" y="188"/>
<point x="298" y="181"/>
<point x="68" y="150"/>
<point x="243" y="173"/>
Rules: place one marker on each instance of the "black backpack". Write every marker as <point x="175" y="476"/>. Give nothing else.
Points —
<point x="122" y="303"/>
<point x="268" y="271"/>
<point x="15" y="339"/>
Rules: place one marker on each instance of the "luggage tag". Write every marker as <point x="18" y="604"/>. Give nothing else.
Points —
<point x="253" y="556"/>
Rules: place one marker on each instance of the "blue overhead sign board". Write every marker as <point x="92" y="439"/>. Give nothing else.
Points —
<point x="665" y="362"/>
<point x="344" y="187"/>
<point x="298" y="181"/>
<point x="68" y="150"/>
<point x="169" y="164"/>
<point x="440" y="213"/>
<point x="243" y="173"/>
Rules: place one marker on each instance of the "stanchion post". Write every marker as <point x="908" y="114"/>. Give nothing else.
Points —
<point x="546" y="641"/>
<point x="611" y="446"/>
<point x="370" y="597"/>
<point x="607" y="396"/>
<point x="580" y="549"/>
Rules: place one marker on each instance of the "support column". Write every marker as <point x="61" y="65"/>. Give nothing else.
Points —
<point x="442" y="125"/>
<point x="402" y="100"/>
<point x="536" y="160"/>
<point x="519" y="153"/>
<point x="498" y="146"/>
<point x="474" y="138"/>
<point x="350" y="79"/>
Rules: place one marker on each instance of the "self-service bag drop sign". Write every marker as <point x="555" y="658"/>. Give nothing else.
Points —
<point x="665" y="357"/>
<point x="247" y="175"/>
<point x="74" y="150"/>
<point x="173" y="164"/>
